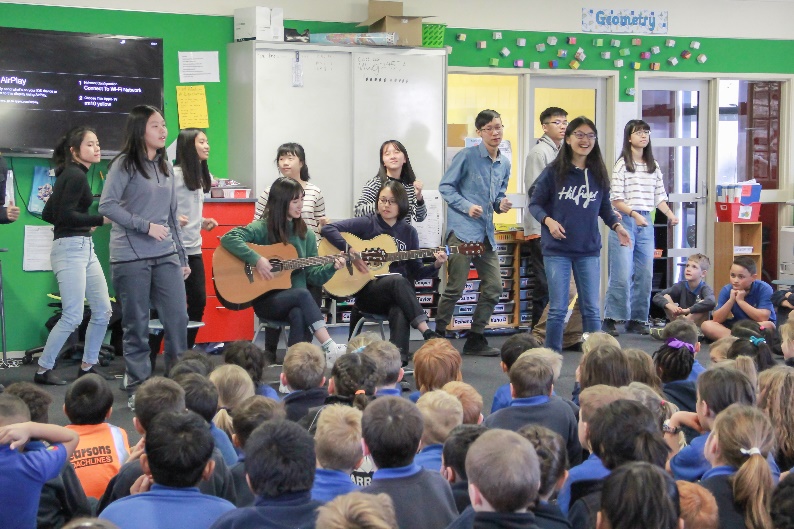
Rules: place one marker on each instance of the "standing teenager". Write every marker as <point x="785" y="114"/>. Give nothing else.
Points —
<point x="147" y="256"/>
<point x="569" y="196"/>
<point x="74" y="262"/>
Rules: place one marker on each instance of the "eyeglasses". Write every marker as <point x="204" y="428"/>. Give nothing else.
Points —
<point x="490" y="130"/>
<point x="642" y="132"/>
<point x="557" y="123"/>
<point x="582" y="135"/>
<point x="387" y="201"/>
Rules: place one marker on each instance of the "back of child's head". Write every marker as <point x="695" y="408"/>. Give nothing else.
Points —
<point x="747" y="263"/>
<point x="625" y="431"/>
<point x="304" y="366"/>
<point x="642" y="368"/>
<point x="248" y="356"/>
<point x="252" y="412"/>
<point x="199" y="356"/>
<point x="338" y="438"/>
<point x="90" y="523"/>
<point x="469" y="398"/>
<point x="776" y="395"/>
<point x="457" y="446"/>
<point x="88" y="400"/>
<point x="647" y="396"/>
<point x="355" y="376"/>
<point x="681" y="329"/>
<point x="753" y="341"/>
<point x="787" y="332"/>
<point x="718" y="351"/>
<point x="745" y="438"/>
<point x="606" y="364"/>
<point x="674" y="360"/>
<point x="37" y="399"/>
<point x="186" y="367"/>
<point x="702" y="260"/>
<point x="598" y="396"/>
<point x="505" y="469"/>
<point x="515" y="346"/>
<point x="552" y="455"/>
<point x="234" y="386"/>
<point x="531" y="376"/>
<point x="639" y="495"/>
<point x="550" y="356"/>
<point x="441" y="412"/>
<point x="392" y="428"/>
<point x="279" y="459"/>
<point x="719" y="387"/>
<point x="597" y="339"/>
<point x="157" y="395"/>
<point x="436" y="363"/>
<point x="13" y="409"/>
<point x="782" y="511"/>
<point x="357" y="510"/>
<point x="201" y="395"/>
<point x="743" y="363"/>
<point x="178" y="446"/>
<point x="698" y="506"/>
<point x="387" y="360"/>
<point x="358" y="343"/>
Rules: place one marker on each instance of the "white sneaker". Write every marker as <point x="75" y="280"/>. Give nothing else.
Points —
<point x="332" y="355"/>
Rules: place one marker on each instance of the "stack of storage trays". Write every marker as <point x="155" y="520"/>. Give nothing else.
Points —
<point x="427" y="292"/>
<point x="526" y="282"/>
<point x="343" y="309"/>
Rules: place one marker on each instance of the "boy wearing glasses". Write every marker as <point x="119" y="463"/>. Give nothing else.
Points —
<point x="474" y="189"/>
<point x="554" y="121"/>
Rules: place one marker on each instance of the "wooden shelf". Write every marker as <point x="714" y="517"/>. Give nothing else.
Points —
<point x="726" y="236"/>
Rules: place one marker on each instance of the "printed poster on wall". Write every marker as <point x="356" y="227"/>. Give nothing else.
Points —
<point x="601" y="20"/>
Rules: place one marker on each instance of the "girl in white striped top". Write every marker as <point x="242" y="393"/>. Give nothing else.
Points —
<point x="637" y="190"/>
<point x="394" y="165"/>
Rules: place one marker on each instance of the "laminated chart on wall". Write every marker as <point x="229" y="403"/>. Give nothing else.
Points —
<point x="429" y="230"/>
<point x="38" y="244"/>
<point x="191" y="104"/>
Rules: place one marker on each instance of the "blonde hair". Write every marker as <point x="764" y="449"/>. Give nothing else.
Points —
<point x="441" y="413"/>
<point x="337" y="441"/>
<point x="698" y="506"/>
<point x="776" y="397"/>
<point x="739" y="429"/>
<point x="787" y="330"/>
<point x="361" y="340"/>
<point x="386" y="356"/>
<point x="721" y="346"/>
<point x="662" y="409"/>
<point x="643" y="369"/>
<point x="742" y="363"/>
<point x="357" y="510"/>
<point x="598" y="396"/>
<point x="469" y="398"/>
<point x="436" y="363"/>
<point x="552" y="358"/>
<point x="702" y="260"/>
<point x="234" y="386"/>
<point x="304" y="366"/>
<point x="596" y="339"/>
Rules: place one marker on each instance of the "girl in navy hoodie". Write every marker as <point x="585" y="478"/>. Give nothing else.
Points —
<point x="567" y="199"/>
<point x="392" y="295"/>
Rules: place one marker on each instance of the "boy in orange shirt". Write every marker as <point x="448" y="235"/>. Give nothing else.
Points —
<point x="103" y="448"/>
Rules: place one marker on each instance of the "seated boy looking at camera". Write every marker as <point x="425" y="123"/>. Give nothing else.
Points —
<point x="744" y="298"/>
<point x="691" y="298"/>
<point x="178" y="456"/>
<point x="303" y="373"/>
<point x="337" y="443"/>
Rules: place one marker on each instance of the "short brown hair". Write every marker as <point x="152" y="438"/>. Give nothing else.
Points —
<point x="552" y="357"/>
<point x="386" y="356"/>
<point x="469" y="398"/>
<point x="392" y="428"/>
<point x="704" y="263"/>
<point x="504" y="467"/>
<point x="337" y="441"/>
<point x="252" y="412"/>
<point x="598" y="396"/>
<point x="37" y="399"/>
<point x="357" y="510"/>
<point x="156" y="395"/>
<point x="597" y="339"/>
<point x="643" y="369"/>
<point x="304" y="366"/>
<point x="606" y="364"/>
<point x="531" y="376"/>
<point x="436" y="363"/>
<point x="698" y="506"/>
<point x="722" y="345"/>
<point x="441" y="413"/>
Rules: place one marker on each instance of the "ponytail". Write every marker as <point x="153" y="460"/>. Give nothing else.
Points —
<point x="223" y="421"/>
<point x="355" y="377"/>
<point x="752" y="488"/>
<point x="62" y="154"/>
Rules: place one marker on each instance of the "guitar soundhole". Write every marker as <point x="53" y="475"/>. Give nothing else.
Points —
<point x="276" y="264"/>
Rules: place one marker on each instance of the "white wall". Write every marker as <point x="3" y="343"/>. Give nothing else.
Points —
<point x="769" y="19"/>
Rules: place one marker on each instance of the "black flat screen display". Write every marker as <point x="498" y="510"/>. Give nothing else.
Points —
<point x="51" y="81"/>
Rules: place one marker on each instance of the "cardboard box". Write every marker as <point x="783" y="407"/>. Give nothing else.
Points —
<point x="259" y="23"/>
<point x="456" y="134"/>
<point x="388" y="17"/>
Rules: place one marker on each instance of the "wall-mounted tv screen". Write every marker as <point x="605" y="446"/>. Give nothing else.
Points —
<point x="51" y="81"/>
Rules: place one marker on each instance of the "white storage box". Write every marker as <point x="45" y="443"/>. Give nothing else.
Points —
<point x="259" y="23"/>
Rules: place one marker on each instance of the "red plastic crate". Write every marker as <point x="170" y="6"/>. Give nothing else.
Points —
<point x="737" y="212"/>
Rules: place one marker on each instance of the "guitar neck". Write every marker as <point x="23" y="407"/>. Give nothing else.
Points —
<point x="417" y="254"/>
<point x="305" y="262"/>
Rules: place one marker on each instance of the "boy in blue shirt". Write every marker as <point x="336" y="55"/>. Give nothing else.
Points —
<point x="441" y="412"/>
<point x="178" y="456"/>
<point x="337" y="444"/>
<point x="512" y="348"/>
<point x="453" y="461"/>
<point x="691" y="298"/>
<point x="24" y="473"/>
<point x="744" y="298"/>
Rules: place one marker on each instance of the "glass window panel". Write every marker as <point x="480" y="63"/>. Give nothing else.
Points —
<point x="679" y="168"/>
<point x="671" y="114"/>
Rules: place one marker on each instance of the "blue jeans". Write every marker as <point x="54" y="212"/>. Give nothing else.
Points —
<point x="80" y="277"/>
<point x="586" y="274"/>
<point x="630" y="271"/>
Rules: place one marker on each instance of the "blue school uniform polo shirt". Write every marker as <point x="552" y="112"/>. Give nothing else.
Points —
<point x="429" y="457"/>
<point x="389" y="392"/>
<point x="759" y="296"/>
<point x="328" y="484"/>
<point x="502" y="398"/>
<point x="697" y="369"/>
<point x="592" y="468"/>
<point x="224" y="444"/>
<point x="690" y="464"/>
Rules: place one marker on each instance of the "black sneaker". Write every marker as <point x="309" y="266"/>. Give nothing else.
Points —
<point x="94" y="370"/>
<point x="637" y="327"/>
<point x="429" y="334"/>
<point x="609" y="327"/>
<point x="477" y="345"/>
<point x="48" y="378"/>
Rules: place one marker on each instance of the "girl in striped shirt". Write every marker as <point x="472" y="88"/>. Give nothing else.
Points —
<point x="394" y="165"/>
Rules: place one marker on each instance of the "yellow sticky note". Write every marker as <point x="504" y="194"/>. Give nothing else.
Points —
<point x="191" y="103"/>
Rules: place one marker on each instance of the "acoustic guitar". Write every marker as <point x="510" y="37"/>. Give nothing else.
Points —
<point x="379" y="252"/>
<point x="238" y="284"/>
